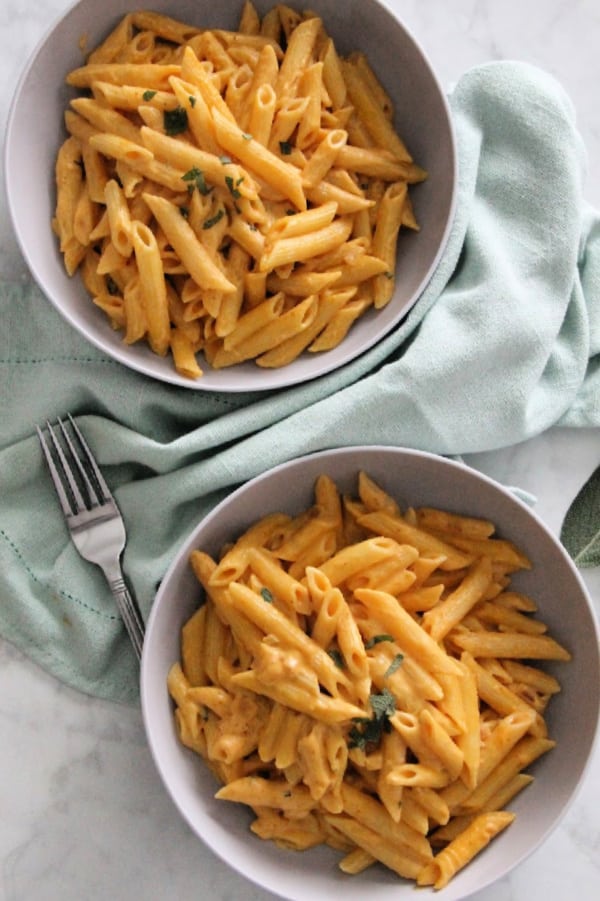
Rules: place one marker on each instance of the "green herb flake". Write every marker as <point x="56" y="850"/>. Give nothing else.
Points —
<point x="208" y="223"/>
<point x="389" y="275"/>
<point x="377" y="639"/>
<point x="192" y="100"/>
<point x="184" y="211"/>
<point x="232" y="188"/>
<point x="246" y="136"/>
<point x="195" y="178"/>
<point x="266" y="595"/>
<point x="337" y="658"/>
<point x="394" y="665"/>
<point x="368" y="731"/>
<point x="383" y="704"/>
<point x="285" y="147"/>
<point x="225" y="160"/>
<point x="148" y="95"/>
<point x="175" y="120"/>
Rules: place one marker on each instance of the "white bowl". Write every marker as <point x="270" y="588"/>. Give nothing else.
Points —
<point x="414" y="478"/>
<point x="35" y="131"/>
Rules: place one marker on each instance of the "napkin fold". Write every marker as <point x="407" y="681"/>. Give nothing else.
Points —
<point x="503" y="343"/>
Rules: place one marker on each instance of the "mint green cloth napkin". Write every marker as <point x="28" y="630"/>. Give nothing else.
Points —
<point x="504" y="343"/>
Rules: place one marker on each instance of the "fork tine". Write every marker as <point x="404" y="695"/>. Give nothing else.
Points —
<point x="65" y="502"/>
<point x="67" y="505"/>
<point x="105" y="490"/>
<point x="94" y="495"/>
<point x="80" y="502"/>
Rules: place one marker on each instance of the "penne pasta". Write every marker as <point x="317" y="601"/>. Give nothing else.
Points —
<point x="463" y="848"/>
<point x="304" y="246"/>
<point x="152" y="287"/>
<point x="327" y="703"/>
<point x="146" y="75"/>
<point x="286" y="351"/>
<point x="272" y="150"/>
<point x="189" y="249"/>
<point x="370" y="111"/>
<point x="265" y="164"/>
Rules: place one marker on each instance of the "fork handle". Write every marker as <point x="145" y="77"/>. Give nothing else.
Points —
<point x="129" y="613"/>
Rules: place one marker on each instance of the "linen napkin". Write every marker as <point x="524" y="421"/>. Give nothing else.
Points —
<point x="504" y="342"/>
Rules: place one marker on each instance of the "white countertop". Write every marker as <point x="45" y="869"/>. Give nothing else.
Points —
<point x="83" y="813"/>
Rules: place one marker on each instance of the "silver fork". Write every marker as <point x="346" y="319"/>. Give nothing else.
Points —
<point x="93" y="518"/>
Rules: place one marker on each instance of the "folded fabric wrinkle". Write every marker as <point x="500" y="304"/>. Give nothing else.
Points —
<point x="503" y="344"/>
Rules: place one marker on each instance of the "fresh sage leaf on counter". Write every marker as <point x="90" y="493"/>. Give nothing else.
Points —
<point x="580" y="532"/>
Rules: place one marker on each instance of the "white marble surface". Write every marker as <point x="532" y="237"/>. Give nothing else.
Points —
<point x="83" y="814"/>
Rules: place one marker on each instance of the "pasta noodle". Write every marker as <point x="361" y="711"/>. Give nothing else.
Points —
<point x="238" y="151"/>
<point x="380" y="726"/>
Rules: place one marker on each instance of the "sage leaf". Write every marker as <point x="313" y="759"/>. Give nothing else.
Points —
<point x="580" y="532"/>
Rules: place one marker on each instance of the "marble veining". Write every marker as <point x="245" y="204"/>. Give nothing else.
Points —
<point x="84" y="814"/>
